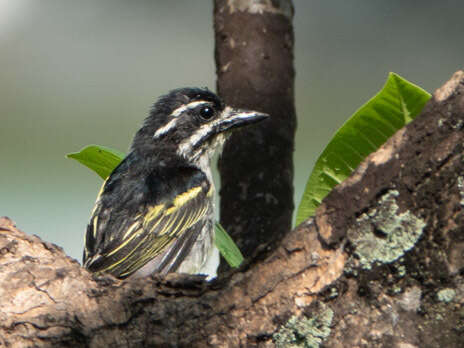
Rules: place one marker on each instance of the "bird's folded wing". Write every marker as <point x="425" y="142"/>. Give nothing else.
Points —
<point x="149" y="233"/>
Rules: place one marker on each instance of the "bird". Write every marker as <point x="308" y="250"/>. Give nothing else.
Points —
<point x="154" y="213"/>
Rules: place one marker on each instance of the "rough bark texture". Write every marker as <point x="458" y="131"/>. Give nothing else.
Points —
<point x="254" y="60"/>
<point x="381" y="265"/>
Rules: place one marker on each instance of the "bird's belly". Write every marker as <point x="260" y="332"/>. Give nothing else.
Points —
<point x="203" y="258"/>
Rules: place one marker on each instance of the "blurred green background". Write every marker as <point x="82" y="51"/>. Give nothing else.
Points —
<point x="74" y="73"/>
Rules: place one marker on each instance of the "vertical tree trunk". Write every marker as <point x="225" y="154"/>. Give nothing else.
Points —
<point x="254" y="60"/>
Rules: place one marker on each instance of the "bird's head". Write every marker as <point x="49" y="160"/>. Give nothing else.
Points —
<point x="191" y="123"/>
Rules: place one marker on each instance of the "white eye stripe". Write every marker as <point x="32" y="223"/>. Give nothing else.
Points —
<point x="177" y="112"/>
<point x="194" y="139"/>
<point x="163" y="130"/>
<point x="201" y="133"/>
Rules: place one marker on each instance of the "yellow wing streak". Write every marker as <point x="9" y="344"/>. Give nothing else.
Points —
<point x="157" y="222"/>
<point x="148" y="255"/>
<point x="95" y="226"/>
<point x="192" y="219"/>
<point x="153" y="213"/>
<point x="182" y="224"/>
<point x="187" y="196"/>
<point x="179" y="227"/>
<point x="130" y="229"/>
<point x="168" y="227"/>
<point x="110" y="267"/>
<point x="123" y="244"/>
<point x="101" y="189"/>
<point x="98" y="197"/>
<point x="183" y="198"/>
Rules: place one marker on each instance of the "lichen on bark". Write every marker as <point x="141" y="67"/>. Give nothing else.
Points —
<point x="382" y="235"/>
<point x="305" y="332"/>
<point x="284" y="7"/>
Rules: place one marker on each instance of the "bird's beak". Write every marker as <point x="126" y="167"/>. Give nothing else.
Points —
<point x="234" y="118"/>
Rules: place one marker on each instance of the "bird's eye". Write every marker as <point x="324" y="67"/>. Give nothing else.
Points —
<point x="206" y="112"/>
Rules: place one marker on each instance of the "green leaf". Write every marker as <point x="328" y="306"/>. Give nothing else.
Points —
<point x="227" y="247"/>
<point x="103" y="160"/>
<point x="100" y="159"/>
<point x="398" y="103"/>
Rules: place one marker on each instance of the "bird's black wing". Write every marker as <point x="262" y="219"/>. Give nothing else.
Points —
<point x="136" y="221"/>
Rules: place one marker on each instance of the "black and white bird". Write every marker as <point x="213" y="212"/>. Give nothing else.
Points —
<point x="154" y="213"/>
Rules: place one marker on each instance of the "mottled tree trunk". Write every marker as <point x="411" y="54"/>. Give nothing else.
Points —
<point x="254" y="60"/>
<point x="380" y="265"/>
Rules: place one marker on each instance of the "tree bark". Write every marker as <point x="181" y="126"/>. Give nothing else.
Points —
<point x="254" y="60"/>
<point x="380" y="265"/>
